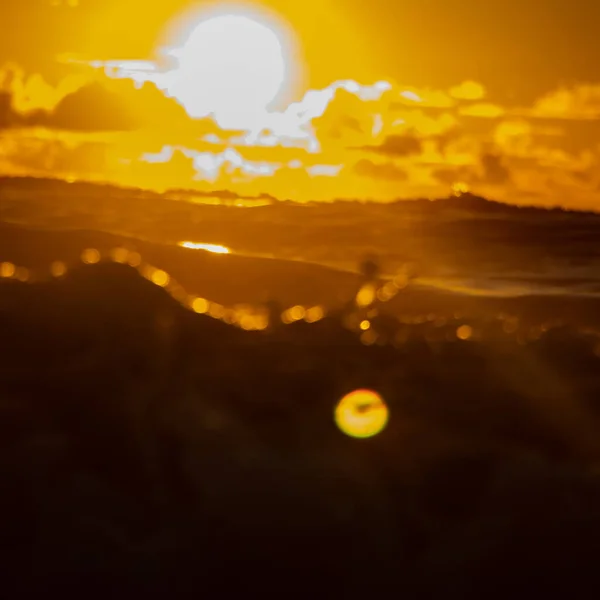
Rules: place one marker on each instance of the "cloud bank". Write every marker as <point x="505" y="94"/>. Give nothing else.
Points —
<point x="381" y="141"/>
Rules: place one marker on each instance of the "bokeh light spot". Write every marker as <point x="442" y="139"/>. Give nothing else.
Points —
<point x="216" y="311"/>
<point x="464" y="332"/>
<point x="58" y="268"/>
<point x="90" y="256"/>
<point x="248" y="322"/>
<point x="119" y="255"/>
<point x="7" y="270"/>
<point x="314" y="314"/>
<point x="400" y="281"/>
<point x="369" y="337"/>
<point x="160" y="278"/>
<point x="134" y="259"/>
<point x="297" y="313"/>
<point x="366" y="295"/>
<point x="200" y="306"/>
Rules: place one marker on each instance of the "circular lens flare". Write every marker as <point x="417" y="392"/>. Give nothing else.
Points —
<point x="362" y="414"/>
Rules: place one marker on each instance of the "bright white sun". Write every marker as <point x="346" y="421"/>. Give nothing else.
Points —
<point x="232" y="66"/>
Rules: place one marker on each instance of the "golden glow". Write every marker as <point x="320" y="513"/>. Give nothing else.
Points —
<point x="214" y="248"/>
<point x="464" y="332"/>
<point x="362" y="414"/>
<point x="91" y="256"/>
<point x="460" y="188"/>
<point x="260" y="127"/>
<point x="231" y="66"/>
<point x="7" y="270"/>
<point x="200" y="306"/>
<point x="365" y="325"/>
<point x="58" y="268"/>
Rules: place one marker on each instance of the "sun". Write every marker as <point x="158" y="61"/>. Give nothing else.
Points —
<point x="232" y="66"/>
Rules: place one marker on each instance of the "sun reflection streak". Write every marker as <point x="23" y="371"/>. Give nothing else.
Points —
<point x="214" y="248"/>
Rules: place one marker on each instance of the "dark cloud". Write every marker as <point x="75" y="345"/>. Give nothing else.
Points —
<point x="54" y="156"/>
<point x="346" y="116"/>
<point x="92" y="108"/>
<point x="345" y="123"/>
<point x="450" y="176"/>
<point x="6" y="112"/>
<point x="106" y="107"/>
<point x="389" y="171"/>
<point x="397" y="145"/>
<point x="494" y="169"/>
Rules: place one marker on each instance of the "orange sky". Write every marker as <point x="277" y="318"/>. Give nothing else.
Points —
<point x="393" y="100"/>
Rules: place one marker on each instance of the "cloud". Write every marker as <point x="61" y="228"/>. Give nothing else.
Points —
<point x="92" y="108"/>
<point x="396" y="145"/>
<point x="7" y="115"/>
<point x="425" y="98"/>
<point x="54" y="156"/>
<point x="490" y="169"/>
<point x="495" y="171"/>
<point x="31" y="93"/>
<point x="450" y="176"/>
<point x="514" y="137"/>
<point x="346" y="140"/>
<point x="423" y="124"/>
<point x="324" y="170"/>
<point x="346" y="120"/>
<point x="483" y="110"/>
<point x="581" y="102"/>
<point x="386" y="170"/>
<point x="122" y="106"/>
<point x="461" y="150"/>
<point x="468" y="90"/>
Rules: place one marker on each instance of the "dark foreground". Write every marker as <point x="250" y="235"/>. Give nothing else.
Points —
<point x="149" y="451"/>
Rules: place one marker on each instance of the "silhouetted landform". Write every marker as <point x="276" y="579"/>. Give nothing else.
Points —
<point x="464" y="244"/>
<point x="149" y="450"/>
<point x="105" y="189"/>
<point x="232" y="280"/>
<point x="463" y="201"/>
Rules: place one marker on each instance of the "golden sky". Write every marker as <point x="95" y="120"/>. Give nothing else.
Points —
<point x="314" y="100"/>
